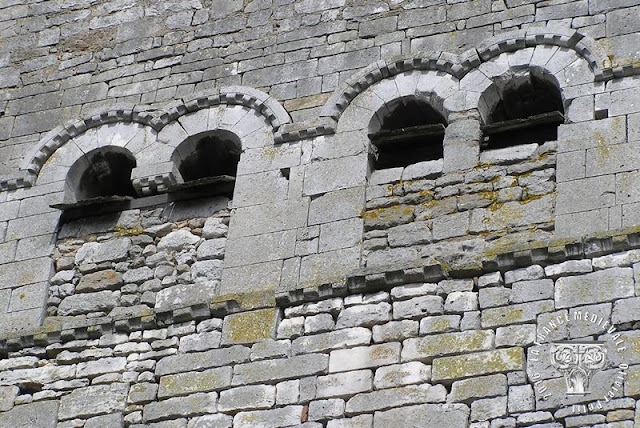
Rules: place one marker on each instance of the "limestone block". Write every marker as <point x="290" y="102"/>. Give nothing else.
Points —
<point x="93" y="400"/>
<point x="428" y="347"/>
<point x="113" y="420"/>
<point x="521" y="398"/>
<point x="527" y="291"/>
<point x="386" y="217"/>
<point x="88" y="302"/>
<point x="141" y="393"/>
<point x="43" y="414"/>
<point x="342" y="385"/>
<point x="570" y="267"/>
<point x="256" y="277"/>
<point x="252" y="397"/>
<point x="282" y="369"/>
<point x="214" y="228"/>
<point x="524" y="274"/>
<point x="336" y="205"/>
<point x="137" y="276"/>
<point x="364" y="315"/>
<point x="513" y="214"/>
<point x="490" y="280"/>
<point x="418" y="232"/>
<point x="319" y="323"/>
<point x="408" y="291"/>
<point x="392" y="258"/>
<point x="468" y="390"/>
<point x="333" y="340"/>
<point x="200" y="341"/>
<point x="362" y="421"/>
<point x="509" y="155"/>
<point x="202" y="360"/>
<point x="101" y="366"/>
<point x="364" y="357"/>
<point x="249" y="327"/>
<point x="269" y="217"/>
<point x="269" y="158"/>
<point x="623" y="259"/>
<point x="340" y="234"/>
<point x="99" y="281"/>
<point x="395" y="331"/>
<point x="326" y="409"/>
<point x="288" y="392"/>
<point x="335" y="174"/>
<point x="282" y="417"/>
<point x="626" y="310"/>
<point x="587" y="135"/>
<point x="113" y="250"/>
<point x="211" y="249"/>
<point x="328" y="267"/>
<point x="515" y="314"/>
<point x="488" y="408"/>
<point x="184" y="295"/>
<point x="192" y="405"/>
<point x="479" y="363"/>
<point x="401" y="374"/>
<point x="455" y="415"/>
<point x="396" y="397"/>
<point x="192" y="382"/>
<point x="32" y="296"/>
<point x="494" y="296"/>
<point x="7" y="396"/>
<point x="439" y="324"/>
<point x="259" y="248"/>
<point x="461" y="301"/>
<point x="291" y="328"/>
<point x="515" y="335"/>
<point x="418" y="307"/>
<point x="600" y="286"/>
<point x="451" y="225"/>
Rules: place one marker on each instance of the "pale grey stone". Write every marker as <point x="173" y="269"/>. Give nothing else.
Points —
<point x="468" y="390"/>
<point x="396" y="397"/>
<point x="7" y="395"/>
<point x="211" y="249"/>
<point x="185" y="295"/>
<point x="319" y="323"/>
<point x="252" y="397"/>
<point x="137" y="276"/>
<point x="626" y="310"/>
<point x="113" y="420"/>
<point x="447" y="286"/>
<point x="192" y="405"/>
<point x="395" y="331"/>
<point x="364" y="315"/>
<point x="516" y="335"/>
<point x="527" y="291"/>
<point x="62" y="277"/>
<point x="218" y="420"/>
<point x="439" y="324"/>
<point x="112" y="250"/>
<point x="515" y="314"/>
<point x="509" y="154"/>
<point x="344" y="384"/>
<point x="361" y="421"/>
<point x="177" y="240"/>
<point x="524" y="274"/>
<point x="288" y="392"/>
<point x="93" y="400"/>
<point x="200" y="341"/>
<point x="284" y="416"/>
<point x="404" y="292"/>
<point x="99" y="281"/>
<point x="600" y="286"/>
<point x="364" y="357"/>
<point x="291" y="328"/>
<point x="415" y="233"/>
<point x="455" y="415"/>
<point x="270" y="349"/>
<point x="326" y="409"/>
<point x="418" y="307"/>
<point x="428" y="347"/>
<point x="141" y="393"/>
<point x="282" y="369"/>
<point x="101" y="366"/>
<point x="88" y="302"/>
<point x="401" y="374"/>
<point x="42" y="414"/>
<point x="488" y="408"/>
<point x="570" y="267"/>
<point x="624" y="259"/>
<point x="202" y="360"/>
<point x="333" y="340"/>
<point x="521" y="399"/>
<point x="461" y="301"/>
<point x="214" y="228"/>
<point x="336" y="205"/>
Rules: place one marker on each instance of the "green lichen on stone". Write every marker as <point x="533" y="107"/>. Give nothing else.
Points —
<point x="498" y="361"/>
<point x="248" y="301"/>
<point x="250" y="327"/>
<point x="128" y="231"/>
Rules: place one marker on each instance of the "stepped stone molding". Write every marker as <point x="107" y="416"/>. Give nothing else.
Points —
<point x="264" y="105"/>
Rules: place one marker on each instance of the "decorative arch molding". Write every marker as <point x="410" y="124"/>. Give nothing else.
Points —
<point x="458" y="66"/>
<point x="263" y="104"/>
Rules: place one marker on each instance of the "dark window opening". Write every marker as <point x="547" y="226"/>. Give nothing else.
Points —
<point x="208" y="162"/>
<point x="412" y="132"/>
<point x="529" y="111"/>
<point x="108" y="174"/>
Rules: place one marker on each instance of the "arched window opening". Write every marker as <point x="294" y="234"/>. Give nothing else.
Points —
<point x="208" y="159"/>
<point x="102" y="173"/>
<point x="529" y="110"/>
<point x="412" y="131"/>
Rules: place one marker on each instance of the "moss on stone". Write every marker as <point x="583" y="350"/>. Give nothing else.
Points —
<point x="251" y="327"/>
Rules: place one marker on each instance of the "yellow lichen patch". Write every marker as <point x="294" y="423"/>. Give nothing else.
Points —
<point x="248" y="301"/>
<point x="128" y="231"/>
<point x="501" y="360"/>
<point x="251" y="327"/>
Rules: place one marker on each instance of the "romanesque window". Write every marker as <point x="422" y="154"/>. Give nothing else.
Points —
<point x="528" y="110"/>
<point x="101" y="174"/>
<point x="208" y="160"/>
<point x="411" y="131"/>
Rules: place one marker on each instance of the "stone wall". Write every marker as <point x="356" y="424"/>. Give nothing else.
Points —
<point x="321" y="292"/>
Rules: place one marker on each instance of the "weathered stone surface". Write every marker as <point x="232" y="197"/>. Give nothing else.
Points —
<point x="455" y="415"/>
<point x="93" y="400"/>
<point x="282" y="417"/>
<point x="344" y="384"/>
<point x="99" y="281"/>
<point x="184" y="295"/>
<point x="428" y="347"/>
<point x="396" y="397"/>
<point x="42" y="414"/>
<point x="111" y="250"/>
<point x="332" y="340"/>
<point x="488" y="408"/>
<point x="515" y="314"/>
<point x="498" y="361"/>
<point x="294" y="367"/>
<point x="193" y="405"/>
<point x="101" y="366"/>
<point x="401" y="374"/>
<point x="468" y="390"/>
<point x="249" y="327"/>
<point x="247" y="398"/>
<point x="395" y="331"/>
<point x="141" y="393"/>
<point x="85" y="303"/>
<point x="325" y="409"/>
<point x="362" y="421"/>
<point x="418" y="307"/>
<point x="175" y="241"/>
<point x="7" y="395"/>
<point x="202" y="360"/>
<point x="364" y="357"/>
<point x="190" y="382"/>
<point x="364" y="315"/>
<point x="600" y="286"/>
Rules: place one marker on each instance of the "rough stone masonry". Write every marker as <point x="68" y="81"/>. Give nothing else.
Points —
<point x="196" y="230"/>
